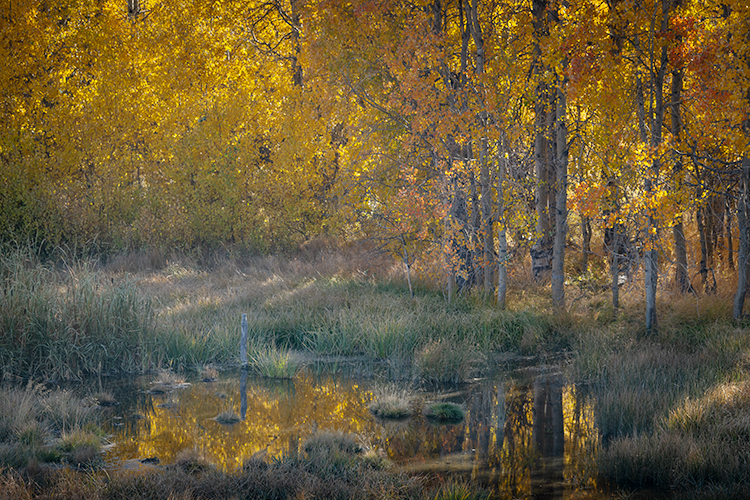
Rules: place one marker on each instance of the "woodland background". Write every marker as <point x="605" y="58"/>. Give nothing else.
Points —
<point x="469" y="138"/>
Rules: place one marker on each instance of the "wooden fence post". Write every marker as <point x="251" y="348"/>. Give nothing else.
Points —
<point x="243" y="341"/>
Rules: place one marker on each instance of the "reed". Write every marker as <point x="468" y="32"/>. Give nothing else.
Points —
<point x="273" y="362"/>
<point x="38" y="425"/>
<point x="447" y="360"/>
<point x="65" y="324"/>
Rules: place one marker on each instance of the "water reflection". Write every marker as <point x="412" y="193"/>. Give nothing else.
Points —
<point x="526" y="435"/>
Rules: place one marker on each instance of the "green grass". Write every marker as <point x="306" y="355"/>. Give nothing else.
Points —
<point x="447" y="360"/>
<point x="273" y="362"/>
<point x="66" y="321"/>
<point x="444" y="412"/>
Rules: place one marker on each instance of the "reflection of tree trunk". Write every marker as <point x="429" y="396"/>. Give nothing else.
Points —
<point x="243" y="393"/>
<point x="549" y="437"/>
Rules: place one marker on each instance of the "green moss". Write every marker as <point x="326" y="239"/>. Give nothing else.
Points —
<point x="444" y="412"/>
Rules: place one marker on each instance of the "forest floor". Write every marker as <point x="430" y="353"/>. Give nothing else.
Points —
<point x="673" y="407"/>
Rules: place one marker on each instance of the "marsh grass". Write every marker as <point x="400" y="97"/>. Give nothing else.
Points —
<point x="192" y="461"/>
<point x="330" y="466"/>
<point x="392" y="402"/>
<point x="671" y="406"/>
<point x="82" y="446"/>
<point x="447" y="360"/>
<point x="444" y="412"/>
<point x="228" y="417"/>
<point x="459" y="490"/>
<point x="38" y="425"/>
<point x="273" y="362"/>
<point x="71" y="322"/>
<point x="208" y="373"/>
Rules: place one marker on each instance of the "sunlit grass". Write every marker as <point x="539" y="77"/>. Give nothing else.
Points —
<point x="273" y="362"/>
<point x="392" y="402"/>
<point x="38" y="425"/>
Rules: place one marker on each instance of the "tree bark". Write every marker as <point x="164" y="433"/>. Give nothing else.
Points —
<point x="652" y="255"/>
<point x="487" y="219"/>
<point x="730" y="239"/>
<point x="678" y="230"/>
<point x="743" y="219"/>
<point x="614" y="269"/>
<point x="680" y="248"/>
<point x="585" y="243"/>
<point x="541" y="251"/>
<point x="561" y="210"/>
<point x="502" y="242"/>
<point x="704" y="249"/>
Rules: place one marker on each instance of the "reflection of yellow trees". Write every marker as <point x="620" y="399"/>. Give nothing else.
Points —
<point x="507" y="441"/>
<point x="279" y="414"/>
<point x="510" y="440"/>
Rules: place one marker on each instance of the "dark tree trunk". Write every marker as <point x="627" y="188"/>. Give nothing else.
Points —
<point x="743" y="219"/>
<point x="586" y="243"/>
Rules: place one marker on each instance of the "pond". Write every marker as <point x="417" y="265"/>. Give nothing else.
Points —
<point x="526" y="433"/>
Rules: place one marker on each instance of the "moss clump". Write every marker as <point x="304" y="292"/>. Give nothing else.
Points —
<point x="444" y="412"/>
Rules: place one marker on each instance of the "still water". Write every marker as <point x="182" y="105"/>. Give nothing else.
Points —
<point x="526" y="433"/>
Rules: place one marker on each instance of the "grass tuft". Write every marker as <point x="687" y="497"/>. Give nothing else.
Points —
<point x="444" y="412"/>
<point x="447" y="361"/>
<point x="273" y="362"/>
<point x="392" y="403"/>
<point x="227" y="417"/>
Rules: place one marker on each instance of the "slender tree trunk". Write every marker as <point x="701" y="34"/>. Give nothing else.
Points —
<point x="678" y="230"/>
<point x="561" y="210"/>
<point x="502" y="242"/>
<point x="476" y="267"/>
<point x="730" y="239"/>
<point x="585" y="243"/>
<point x="705" y="232"/>
<point x="296" y="25"/>
<point x="541" y="251"/>
<point x="652" y="255"/>
<point x="680" y="249"/>
<point x="614" y="269"/>
<point x="743" y="219"/>
<point x="487" y="216"/>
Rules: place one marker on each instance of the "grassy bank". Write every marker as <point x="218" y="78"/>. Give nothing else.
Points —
<point x="328" y="466"/>
<point x="671" y="406"/>
<point x="64" y="322"/>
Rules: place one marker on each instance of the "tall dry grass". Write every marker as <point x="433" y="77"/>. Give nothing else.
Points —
<point x="70" y="322"/>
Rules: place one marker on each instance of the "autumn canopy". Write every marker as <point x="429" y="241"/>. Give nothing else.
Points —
<point x="458" y="134"/>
